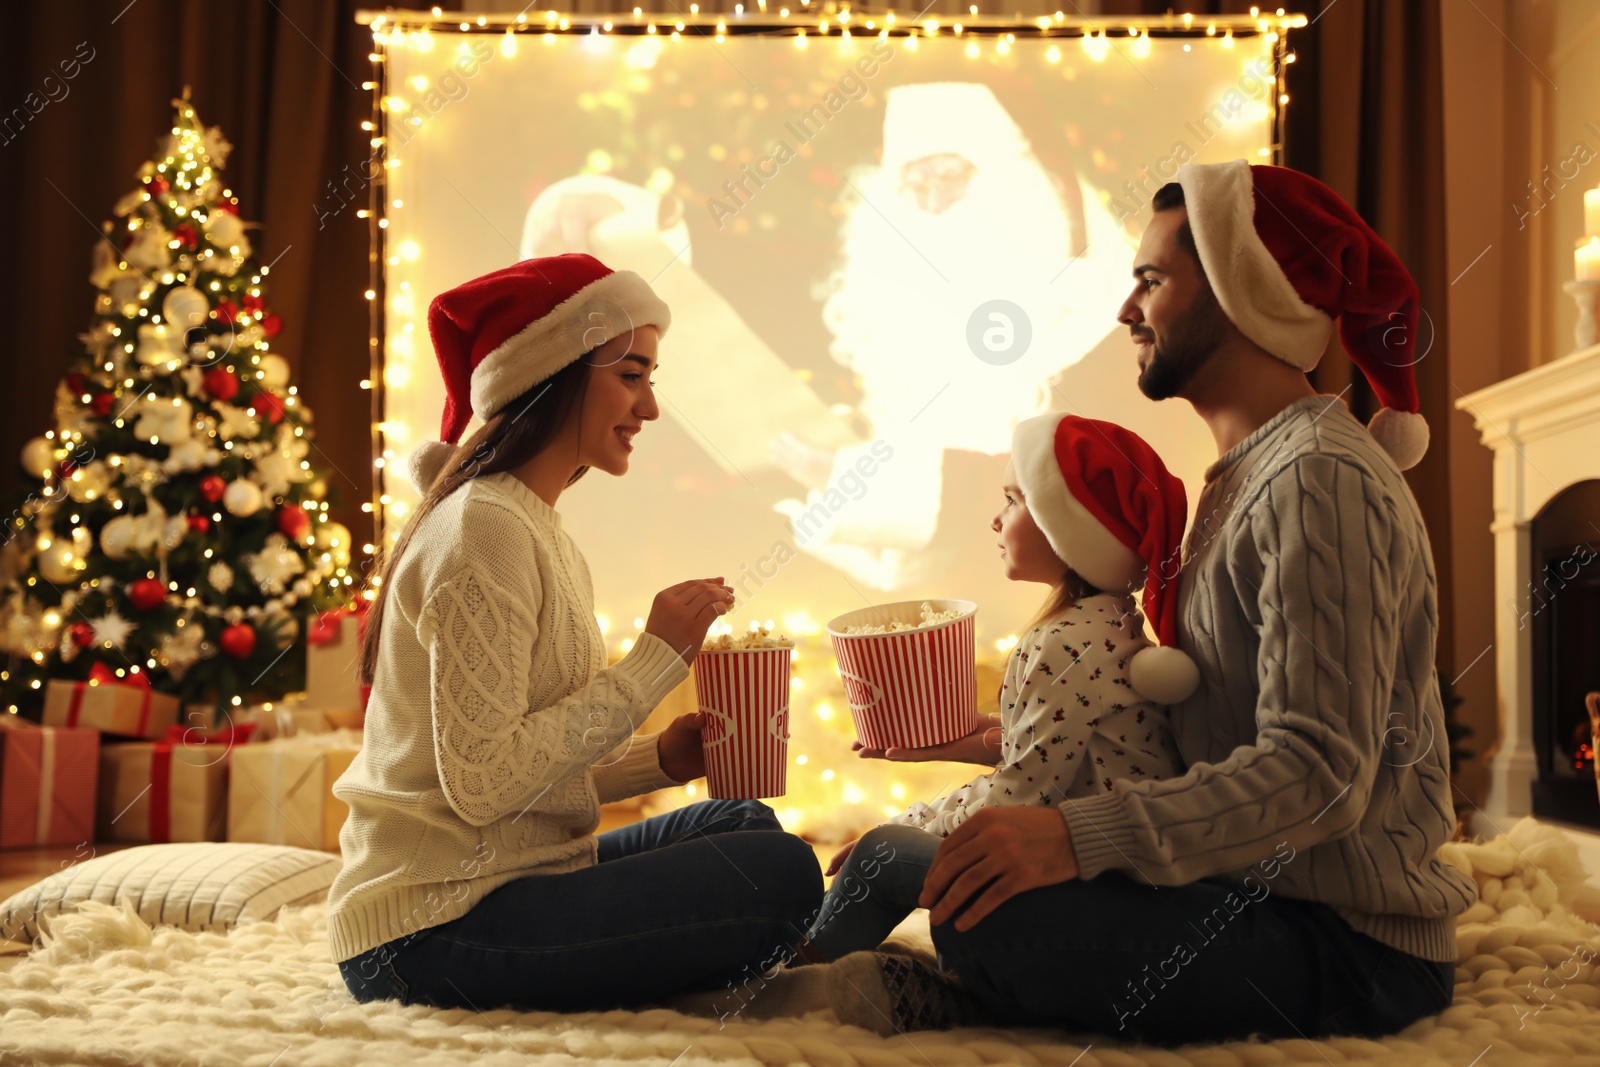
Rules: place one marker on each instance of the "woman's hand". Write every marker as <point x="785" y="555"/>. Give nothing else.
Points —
<point x="680" y="750"/>
<point x="981" y="746"/>
<point x="683" y="613"/>
<point x="839" y="858"/>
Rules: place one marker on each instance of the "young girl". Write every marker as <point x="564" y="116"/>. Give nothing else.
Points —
<point x="1091" y="511"/>
<point x="472" y="875"/>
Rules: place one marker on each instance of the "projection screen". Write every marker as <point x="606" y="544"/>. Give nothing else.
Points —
<point x="880" y="254"/>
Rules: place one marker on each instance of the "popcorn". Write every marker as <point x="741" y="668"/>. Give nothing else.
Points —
<point x="929" y="618"/>
<point x="748" y="640"/>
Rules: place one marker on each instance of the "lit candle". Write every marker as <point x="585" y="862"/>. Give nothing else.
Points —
<point x="1587" y="258"/>
<point x="1591" y="212"/>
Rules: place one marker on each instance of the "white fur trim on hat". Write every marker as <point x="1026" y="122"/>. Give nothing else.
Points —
<point x="605" y="308"/>
<point x="425" y="463"/>
<point x="1081" y="541"/>
<point x="1402" y="434"/>
<point x="1251" y="286"/>
<point x="1163" y="675"/>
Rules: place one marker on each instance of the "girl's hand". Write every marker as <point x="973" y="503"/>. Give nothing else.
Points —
<point x="683" y="613"/>
<point x="981" y="746"/>
<point x="839" y="858"/>
<point x="679" y="749"/>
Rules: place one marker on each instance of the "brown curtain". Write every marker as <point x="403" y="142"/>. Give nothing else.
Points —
<point x="283" y="80"/>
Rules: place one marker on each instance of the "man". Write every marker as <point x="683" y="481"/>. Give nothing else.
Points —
<point x="1289" y="883"/>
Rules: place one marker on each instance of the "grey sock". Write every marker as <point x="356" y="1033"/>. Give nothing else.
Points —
<point x="890" y="993"/>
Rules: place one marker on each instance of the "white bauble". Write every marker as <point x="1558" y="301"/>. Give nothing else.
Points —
<point x="242" y="498"/>
<point x="223" y="229"/>
<point x="275" y="371"/>
<point x="59" y="563"/>
<point x="116" y="536"/>
<point x="39" y="457"/>
<point x="185" y="308"/>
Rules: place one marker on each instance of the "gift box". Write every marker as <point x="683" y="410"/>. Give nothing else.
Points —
<point x="47" y="784"/>
<point x="112" y="705"/>
<point x="175" y="789"/>
<point x="291" y="717"/>
<point x="282" y="790"/>
<point x="333" y="648"/>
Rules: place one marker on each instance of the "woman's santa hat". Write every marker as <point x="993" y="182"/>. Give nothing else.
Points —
<point x="500" y="335"/>
<point x="1285" y="257"/>
<point x="1115" y="515"/>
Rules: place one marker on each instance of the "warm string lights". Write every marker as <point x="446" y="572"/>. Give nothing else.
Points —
<point x="831" y="792"/>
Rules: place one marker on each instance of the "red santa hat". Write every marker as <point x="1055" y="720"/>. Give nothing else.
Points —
<point x="1286" y="257"/>
<point x="502" y="334"/>
<point x="1115" y="515"/>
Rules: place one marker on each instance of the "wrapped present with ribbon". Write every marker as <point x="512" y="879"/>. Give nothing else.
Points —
<point x="292" y="716"/>
<point x="333" y="683"/>
<point x="47" y="784"/>
<point x="174" y="789"/>
<point x="125" y="707"/>
<point x="282" y="791"/>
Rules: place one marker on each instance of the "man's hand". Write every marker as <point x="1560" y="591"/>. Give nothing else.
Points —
<point x="680" y="751"/>
<point x="992" y="857"/>
<point x="981" y="746"/>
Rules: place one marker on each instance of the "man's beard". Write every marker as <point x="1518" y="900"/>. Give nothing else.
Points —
<point x="1189" y="344"/>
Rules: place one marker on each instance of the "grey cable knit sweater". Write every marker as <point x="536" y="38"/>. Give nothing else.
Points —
<point x="1308" y="599"/>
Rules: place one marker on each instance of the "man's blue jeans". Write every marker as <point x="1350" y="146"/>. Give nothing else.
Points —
<point x="690" y="899"/>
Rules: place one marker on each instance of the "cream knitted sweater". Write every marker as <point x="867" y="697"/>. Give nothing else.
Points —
<point x="495" y="731"/>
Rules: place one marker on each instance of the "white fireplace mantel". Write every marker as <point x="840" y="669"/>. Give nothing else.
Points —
<point x="1544" y="428"/>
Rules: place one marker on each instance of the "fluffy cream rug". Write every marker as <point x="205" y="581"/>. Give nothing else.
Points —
<point x="106" y="989"/>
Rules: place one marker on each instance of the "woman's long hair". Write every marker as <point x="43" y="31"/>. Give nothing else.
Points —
<point x="511" y="437"/>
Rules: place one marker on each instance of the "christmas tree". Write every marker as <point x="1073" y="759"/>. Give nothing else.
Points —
<point x="177" y="529"/>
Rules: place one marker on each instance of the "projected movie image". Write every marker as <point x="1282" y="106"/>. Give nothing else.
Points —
<point x="880" y="255"/>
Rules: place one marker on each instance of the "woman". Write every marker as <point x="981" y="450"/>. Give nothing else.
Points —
<point x="472" y="874"/>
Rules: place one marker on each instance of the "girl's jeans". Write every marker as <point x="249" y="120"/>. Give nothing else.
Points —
<point x="689" y="899"/>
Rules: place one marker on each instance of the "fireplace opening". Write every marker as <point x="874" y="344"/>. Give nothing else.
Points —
<point x="1562" y="604"/>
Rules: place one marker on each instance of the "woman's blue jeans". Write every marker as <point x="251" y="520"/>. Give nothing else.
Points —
<point x="686" y="900"/>
<point x="1200" y="962"/>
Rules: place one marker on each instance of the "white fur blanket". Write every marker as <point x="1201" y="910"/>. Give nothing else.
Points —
<point x="107" y="989"/>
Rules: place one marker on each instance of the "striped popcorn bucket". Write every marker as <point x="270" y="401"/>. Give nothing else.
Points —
<point x="744" y="695"/>
<point x="914" y="688"/>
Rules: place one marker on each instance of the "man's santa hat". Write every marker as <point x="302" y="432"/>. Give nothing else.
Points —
<point x="1115" y="515"/>
<point x="500" y="335"/>
<point x="1286" y="256"/>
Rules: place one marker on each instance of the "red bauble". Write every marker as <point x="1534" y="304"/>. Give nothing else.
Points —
<point x="293" y="522"/>
<point x="147" y="594"/>
<point x="238" y="640"/>
<point x="212" y="487"/>
<point x="221" y="384"/>
<point x="103" y="403"/>
<point x="254" y="305"/>
<point x="186" y="235"/>
<point x="199" y="523"/>
<point x="82" y="634"/>
<point x="267" y="406"/>
<point x="228" y="206"/>
<point x="65" y="468"/>
<point x="77" y="383"/>
<point x="271" y="325"/>
<point x="159" y="185"/>
<point x="227" y="311"/>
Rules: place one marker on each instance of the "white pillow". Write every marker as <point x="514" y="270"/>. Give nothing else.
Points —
<point x="206" y="885"/>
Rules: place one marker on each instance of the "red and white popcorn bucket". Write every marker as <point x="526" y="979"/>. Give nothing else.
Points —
<point x="913" y="688"/>
<point x="744" y="695"/>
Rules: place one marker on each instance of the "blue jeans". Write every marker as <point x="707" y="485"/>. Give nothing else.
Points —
<point x="686" y="900"/>
<point x="1170" y="966"/>
<point x="877" y="887"/>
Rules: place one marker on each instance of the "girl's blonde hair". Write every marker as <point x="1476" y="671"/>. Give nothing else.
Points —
<point x="1072" y="588"/>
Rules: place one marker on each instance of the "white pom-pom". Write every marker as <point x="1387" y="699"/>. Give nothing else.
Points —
<point x="1163" y="675"/>
<point x="1403" y="434"/>
<point x="426" y="463"/>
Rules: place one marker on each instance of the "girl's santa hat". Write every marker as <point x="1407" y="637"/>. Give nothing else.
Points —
<point x="500" y="335"/>
<point x="1115" y="515"/>
<point x="1286" y="256"/>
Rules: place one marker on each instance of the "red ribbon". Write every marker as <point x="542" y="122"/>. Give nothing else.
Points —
<point x="161" y="768"/>
<point x="100" y="674"/>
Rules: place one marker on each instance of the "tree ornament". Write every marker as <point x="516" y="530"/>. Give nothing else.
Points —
<point x="39" y="458"/>
<point x="82" y="634"/>
<point x="238" y="640"/>
<point x="213" y="487"/>
<point x="103" y="403"/>
<point x="116" y="536"/>
<point x="147" y="594"/>
<point x="186" y="307"/>
<point x="242" y="498"/>
<point x="199" y="524"/>
<point x="267" y="406"/>
<point x="221" y="384"/>
<point x="294" y="522"/>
